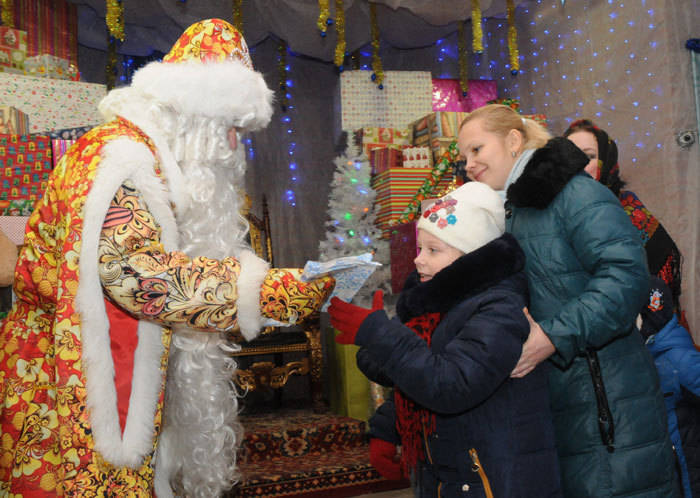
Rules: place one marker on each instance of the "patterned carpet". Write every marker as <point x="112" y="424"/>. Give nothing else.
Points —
<point x="306" y="455"/>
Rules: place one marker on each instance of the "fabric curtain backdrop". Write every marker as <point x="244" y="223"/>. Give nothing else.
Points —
<point x="624" y="67"/>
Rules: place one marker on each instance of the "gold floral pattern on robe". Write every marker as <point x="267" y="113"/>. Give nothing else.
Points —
<point x="167" y="287"/>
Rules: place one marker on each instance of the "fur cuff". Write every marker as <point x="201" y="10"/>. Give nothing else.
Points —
<point x="231" y="91"/>
<point x="253" y="272"/>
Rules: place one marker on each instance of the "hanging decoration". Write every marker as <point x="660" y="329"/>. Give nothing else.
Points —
<point x="340" y="33"/>
<point x="111" y="70"/>
<point x="238" y="15"/>
<point x="444" y="165"/>
<point x="115" y="19"/>
<point x="512" y="39"/>
<point x="282" y="74"/>
<point x="462" y="53"/>
<point x="324" y="14"/>
<point x="8" y="13"/>
<point x="377" y="69"/>
<point x="477" y="31"/>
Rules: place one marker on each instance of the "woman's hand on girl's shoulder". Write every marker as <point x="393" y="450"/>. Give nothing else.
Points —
<point x="536" y="349"/>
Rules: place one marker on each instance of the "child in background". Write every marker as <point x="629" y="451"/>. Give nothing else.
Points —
<point x="464" y="426"/>
<point x="678" y="363"/>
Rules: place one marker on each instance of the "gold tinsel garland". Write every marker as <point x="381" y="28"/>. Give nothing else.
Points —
<point x="282" y="74"/>
<point x="512" y="39"/>
<point x="8" y="13"/>
<point x="340" y="33"/>
<point x="377" y="68"/>
<point x="477" y="32"/>
<point x="115" y="19"/>
<point x="462" y="53"/>
<point x="238" y="15"/>
<point x="323" y="16"/>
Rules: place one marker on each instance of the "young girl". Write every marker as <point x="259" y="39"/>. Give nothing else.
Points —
<point x="588" y="279"/>
<point x="465" y="428"/>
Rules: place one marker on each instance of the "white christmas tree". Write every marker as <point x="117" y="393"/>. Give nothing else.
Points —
<point x="350" y="229"/>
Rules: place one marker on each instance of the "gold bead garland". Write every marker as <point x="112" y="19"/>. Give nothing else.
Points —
<point x="238" y="15"/>
<point x="323" y="15"/>
<point x="340" y="33"/>
<point x="462" y="53"/>
<point x="115" y="19"/>
<point x="512" y="39"/>
<point x="477" y="32"/>
<point x="8" y="13"/>
<point x="377" y="68"/>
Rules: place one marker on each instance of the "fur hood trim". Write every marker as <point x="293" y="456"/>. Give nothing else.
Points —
<point x="547" y="173"/>
<point x="467" y="276"/>
<point x="121" y="159"/>
<point x="227" y="90"/>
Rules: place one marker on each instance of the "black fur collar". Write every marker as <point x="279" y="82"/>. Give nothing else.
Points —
<point x="545" y="175"/>
<point x="468" y="275"/>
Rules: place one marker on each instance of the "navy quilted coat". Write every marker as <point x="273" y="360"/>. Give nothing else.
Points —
<point x="463" y="378"/>
<point x="588" y="279"/>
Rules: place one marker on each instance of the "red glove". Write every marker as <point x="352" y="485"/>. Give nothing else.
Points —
<point x="347" y="317"/>
<point x="383" y="457"/>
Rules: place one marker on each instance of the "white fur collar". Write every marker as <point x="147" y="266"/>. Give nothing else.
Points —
<point x="227" y="90"/>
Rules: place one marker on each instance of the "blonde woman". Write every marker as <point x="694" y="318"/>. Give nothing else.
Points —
<point x="588" y="278"/>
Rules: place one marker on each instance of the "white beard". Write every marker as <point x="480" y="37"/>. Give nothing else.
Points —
<point x="201" y="432"/>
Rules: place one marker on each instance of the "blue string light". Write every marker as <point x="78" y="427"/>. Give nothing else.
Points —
<point x="286" y="84"/>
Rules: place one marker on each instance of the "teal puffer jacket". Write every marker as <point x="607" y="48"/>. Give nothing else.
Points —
<point x="588" y="280"/>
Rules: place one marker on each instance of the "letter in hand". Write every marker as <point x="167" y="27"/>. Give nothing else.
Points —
<point x="347" y="317"/>
<point x="286" y="298"/>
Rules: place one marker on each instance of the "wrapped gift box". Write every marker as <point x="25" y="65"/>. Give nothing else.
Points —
<point x="417" y="157"/>
<point x="403" y="249"/>
<point x="512" y="103"/>
<point x="53" y="104"/>
<point x="69" y="133"/>
<point x="447" y="94"/>
<point x="59" y="148"/>
<point x="384" y="158"/>
<point x="439" y="146"/>
<point x="371" y="137"/>
<point x="440" y="124"/>
<point x="395" y="189"/>
<point x="540" y="118"/>
<point x="407" y="95"/>
<point x="51" y="26"/>
<point x="14" y="227"/>
<point x="50" y="66"/>
<point x="13" y="121"/>
<point x="18" y="207"/>
<point x="350" y="395"/>
<point x="13" y="48"/>
<point x="25" y="162"/>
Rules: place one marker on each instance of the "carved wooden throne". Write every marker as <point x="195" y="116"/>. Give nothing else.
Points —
<point x="262" y="362"/>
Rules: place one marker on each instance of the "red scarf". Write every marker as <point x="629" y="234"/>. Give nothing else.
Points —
<point x="412" y="420"/>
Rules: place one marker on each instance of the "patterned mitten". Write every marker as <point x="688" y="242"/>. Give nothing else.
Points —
<point x="285" y="298"/>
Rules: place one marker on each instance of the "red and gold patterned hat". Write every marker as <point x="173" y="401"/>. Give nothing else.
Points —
<point x="210" y="58"/>
<point x="211" y="40"/>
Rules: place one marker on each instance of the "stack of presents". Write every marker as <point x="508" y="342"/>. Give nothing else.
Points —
<point x="43" y="106"/>
<point x="408" y="131"/>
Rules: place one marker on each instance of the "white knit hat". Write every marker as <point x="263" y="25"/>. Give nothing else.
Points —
<point x="466" y="218"/>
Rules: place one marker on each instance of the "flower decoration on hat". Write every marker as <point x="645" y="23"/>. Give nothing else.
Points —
<point x="448" y="204"/>
<point x="210" y="40"/>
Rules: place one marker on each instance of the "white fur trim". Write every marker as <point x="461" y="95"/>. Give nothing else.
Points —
<point x="253" y="272"/>
<point x="228" y="90"/>
<point x="121" y="159"/>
